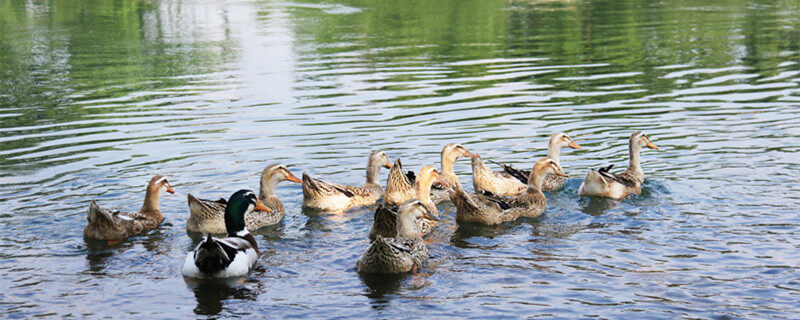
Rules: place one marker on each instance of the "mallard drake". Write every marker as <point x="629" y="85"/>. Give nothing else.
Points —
<point x="401" y="254"/>
<point x="512" y="181"/>
<point x="207" y="216"/>
<point x="492" y="210"/>
<point x="386" y="216"/>
<point x="603" y="183"/>
<point x="116" y="225"/>
<point x="234" y="255"/>
<point x="326" y="196"/>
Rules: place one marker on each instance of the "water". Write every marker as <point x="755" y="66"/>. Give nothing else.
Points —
<point x="97" y="96"/>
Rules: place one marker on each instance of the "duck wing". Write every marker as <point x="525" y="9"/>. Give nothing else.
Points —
<point x="521" y="175"/>
<point x="214" y="255"/>
<point x="320" y="187"/>
<point x="504" y="203"/>
<point x="384" y="223"/>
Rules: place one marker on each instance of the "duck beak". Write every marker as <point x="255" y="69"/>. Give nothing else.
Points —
<point x="559" y="171"/>
<point x="170" y="190"/>
<point x="428" y="215"/>
<point x="388" y="164"/>
<point x="471" y="155"/>
<point x="261" y="207"/>
<point x="652" y="146"/>
<point x="293" y="178"/>
<point x="440" y="181"/>
<point x="574" y="145"/>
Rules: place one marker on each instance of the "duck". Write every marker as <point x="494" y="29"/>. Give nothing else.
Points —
<point x="603" y="183"/>
<point x="494" y="210"/>
<point x="326" y="196"/>
<point x="207" y="216"/>
<point x="406" y="252"/>
<point x="386" y="215"/>
<point x="399" y="186"/>
<point x="114" y="226"/>
<point x="234" y="255"/>
<point x="512" y="181"/>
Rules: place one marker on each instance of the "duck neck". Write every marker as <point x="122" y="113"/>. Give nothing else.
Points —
<point x="554" y="151"/>
<point x="535" y="180"/>
<point x="373" y="172"/>
<point x="423" y="190"/>
<point x="150" y="207"/>
<point x="268" y="185"/>
<point x="447" y="164"/>
<point x="633" y="164"/>
<point x="407" y="229"/>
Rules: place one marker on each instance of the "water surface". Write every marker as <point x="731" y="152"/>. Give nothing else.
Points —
<point x="97" y="96"/>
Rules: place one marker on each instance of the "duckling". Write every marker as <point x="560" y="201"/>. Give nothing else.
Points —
<point x="207" y="216"/>
<point x="404" y="253"/>
<point x="331" y="197"/>
<point x="234" y="255"/>
<point x="116" y="225"/>
<point x="386" y="216"/>
<point x="450" y="153"/>
<point x="603" y="183"/>
<point x="512" y="181"/>
<point x="493" y="210"/>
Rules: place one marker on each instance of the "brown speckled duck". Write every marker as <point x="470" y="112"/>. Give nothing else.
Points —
<point x="400" y="186"/>
<point x="404" y="253"/>
<point x="331" y="197"/>
<point x="115" y="226"/>
<point x="208" y="216"/>
<point x="386" y="216"/>
<point x="492" y="210"/>
<point x="512" y="181"/>
<point x="603" y="183"/>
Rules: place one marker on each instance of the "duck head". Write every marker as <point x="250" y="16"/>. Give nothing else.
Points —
<point x="561" y="140"/>
<point x="156" y="188"/>
<point x="407" y="216"/>
<point x="541" y="168"/>
<point x="241" y="203"/>
<point x="639" y="139"/>
<point x="377" y="159"/>
<point x="272" y="175"/>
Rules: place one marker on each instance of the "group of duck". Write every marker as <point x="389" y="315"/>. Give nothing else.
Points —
<point x="408" y="211"/>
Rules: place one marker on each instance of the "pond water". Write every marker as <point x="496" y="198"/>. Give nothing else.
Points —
<point x="97" y="96"/>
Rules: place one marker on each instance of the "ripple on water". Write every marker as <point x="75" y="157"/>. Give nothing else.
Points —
<point x="97" y="98"/>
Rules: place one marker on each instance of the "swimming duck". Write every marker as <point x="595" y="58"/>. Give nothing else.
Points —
<point x="400" y="186"/>
<point x="386" y="216"/>
<point x="603" y="183"/>
<point x="207" y="216"/>
<point x="234" y="255"/>
<point x="116" y="225"/>
<point x="326" y="196"/>
<point x="512" y="181"/>
<point x="403" y="253"/>
<point x="492" y="210"/>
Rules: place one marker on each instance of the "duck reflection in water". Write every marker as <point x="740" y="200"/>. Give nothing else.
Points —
<point x="381" y="288"/>
<point x="99" y="253"/>
<point x="211" y="294"/>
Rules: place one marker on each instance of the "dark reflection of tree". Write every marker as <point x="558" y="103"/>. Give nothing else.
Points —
<point x="56" y="53"/>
